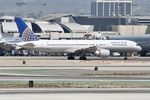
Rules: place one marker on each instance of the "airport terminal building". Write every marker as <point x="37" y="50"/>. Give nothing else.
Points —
<point x="48" y="28"/>
<point x="111" y="8"/>
<point x="66" y="26"/>
<point x="135" y="25"/>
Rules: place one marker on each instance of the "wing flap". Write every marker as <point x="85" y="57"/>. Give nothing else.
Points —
<point x="83" y="50"/>
<point x="31" y="45"/>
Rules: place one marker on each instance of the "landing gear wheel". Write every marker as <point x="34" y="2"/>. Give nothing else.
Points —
<point x="71" y="58"/>
<point x="83" y="58"/>
<point x="125" y="58"/>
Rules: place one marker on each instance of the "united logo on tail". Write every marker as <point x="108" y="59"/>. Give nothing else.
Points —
<point x="28" y="35"/>
<point x="25" y="32"/>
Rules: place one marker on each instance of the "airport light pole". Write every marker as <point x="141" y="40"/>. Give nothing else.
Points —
<point x="132" y="25"/>
<point x="20" y="4"/>
<point x="108" y="27"/>
<point x="119" y="24"/>
<point x="99" y="28"/>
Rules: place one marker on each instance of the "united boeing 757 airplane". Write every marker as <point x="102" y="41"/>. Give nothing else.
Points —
<point x="101" y="48"/>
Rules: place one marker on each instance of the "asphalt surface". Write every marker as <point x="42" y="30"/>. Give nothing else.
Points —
<point x="74" y="90"/>
<point x="63" y="62"/>
<point x="58" y="68"/>
<point x="75" y="94"/>
<point x="49" y="73"/>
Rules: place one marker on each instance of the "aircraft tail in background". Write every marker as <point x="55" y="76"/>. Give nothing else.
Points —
<point x="25" y="32"/>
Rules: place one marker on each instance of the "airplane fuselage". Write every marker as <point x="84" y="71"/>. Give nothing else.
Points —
<point x="73" y="45"/>
<point x="143" y="41"/>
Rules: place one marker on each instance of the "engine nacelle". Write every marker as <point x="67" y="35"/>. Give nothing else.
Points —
<point x="102" y="53"/>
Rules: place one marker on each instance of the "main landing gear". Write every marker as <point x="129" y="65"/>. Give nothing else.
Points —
<point x="126" y="56"/>
<point x="72" y="57"/>
<point x="83" y="58"/>
<point x="80" y="58"/>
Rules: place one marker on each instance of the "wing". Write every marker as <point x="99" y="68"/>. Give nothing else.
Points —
<point x="6" y="46"/>
<point x="83" y="50"/>
<point x="26" y="45"/>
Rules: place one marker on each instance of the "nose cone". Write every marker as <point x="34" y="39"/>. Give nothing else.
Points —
<point x="138" y="48"/>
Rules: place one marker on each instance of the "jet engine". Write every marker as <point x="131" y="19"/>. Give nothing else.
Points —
<point x="102" y="53"/>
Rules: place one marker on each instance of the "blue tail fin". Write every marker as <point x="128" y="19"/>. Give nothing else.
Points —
<point x="25" y="32"/>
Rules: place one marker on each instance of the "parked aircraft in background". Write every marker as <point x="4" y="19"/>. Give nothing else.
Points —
<point x="7" y="45"/>
<point x="101" y="48"/>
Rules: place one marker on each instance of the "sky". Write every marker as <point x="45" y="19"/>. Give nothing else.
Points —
<point x="44" y="7"/>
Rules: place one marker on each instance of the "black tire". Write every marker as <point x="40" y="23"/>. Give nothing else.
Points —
<point x="125" y="58"/>
<point x="83" y="58"/>
<point x="143" y="54"/>
<point x="71" y="58"/>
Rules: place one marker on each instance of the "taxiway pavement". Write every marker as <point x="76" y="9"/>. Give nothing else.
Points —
<point x="58" y="69"/>
<point x="62" y="61"/>
<point x="75" y="94"/>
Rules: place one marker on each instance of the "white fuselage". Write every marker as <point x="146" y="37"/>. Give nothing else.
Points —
<point x="69" y="46"/>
